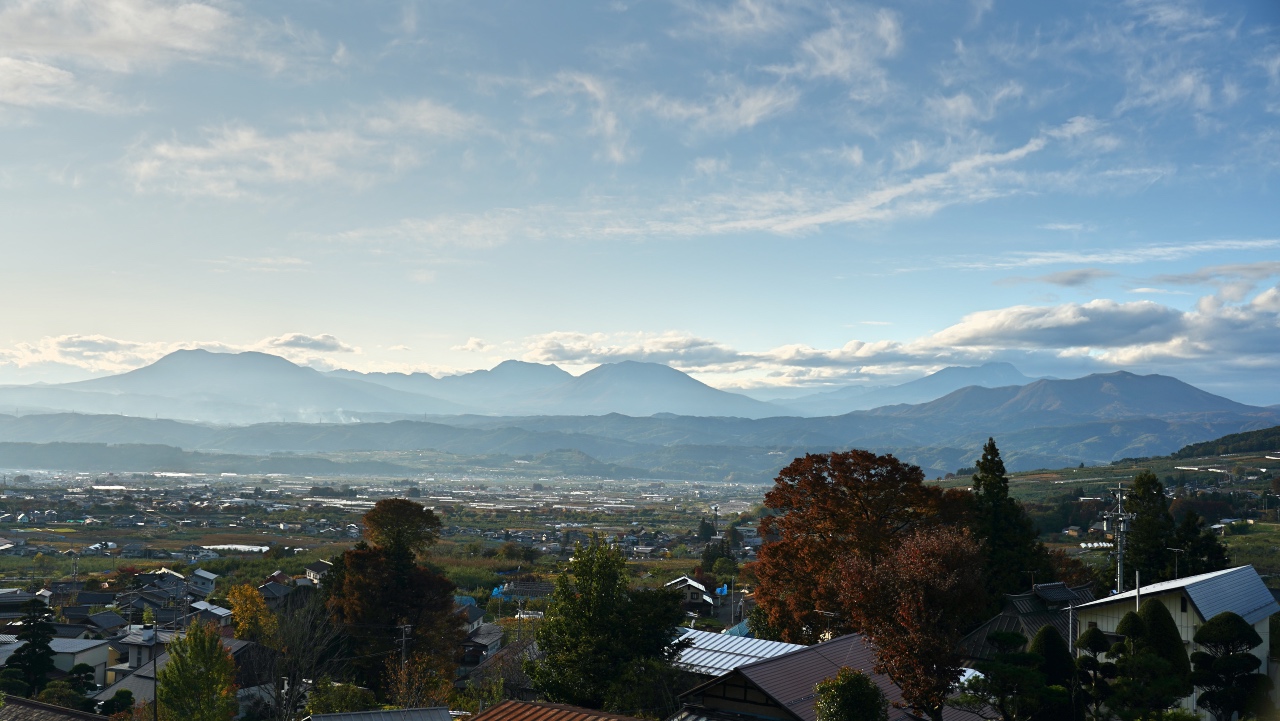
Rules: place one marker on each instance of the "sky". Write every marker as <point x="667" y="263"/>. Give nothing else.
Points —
<point x="774" y="196"/>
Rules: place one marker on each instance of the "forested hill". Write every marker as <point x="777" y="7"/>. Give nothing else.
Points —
<point x="1267" y="439"/>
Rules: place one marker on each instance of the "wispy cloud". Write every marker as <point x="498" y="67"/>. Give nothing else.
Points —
<point x="239" y="161"/>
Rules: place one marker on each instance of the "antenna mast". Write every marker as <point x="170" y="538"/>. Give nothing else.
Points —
<point x="1117" y="522"/>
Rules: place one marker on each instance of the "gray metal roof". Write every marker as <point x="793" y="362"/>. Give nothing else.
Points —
<point x="74" y="645"/>
<point x="713" y="654"/>
<point x="437" y="713"/>
<point x="1239" y="590"/>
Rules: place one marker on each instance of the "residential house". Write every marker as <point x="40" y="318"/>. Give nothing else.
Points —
<point x="317" y="571"/>
<point x="68" y="652"/>
<point x="780" y="688"/>
<point x="16" y="708"/>
<point x="434" y="713"/>
<point x="201" y="582"/>
<point x="274" y="593"/>
<point x="480" y="643"/>
<point x="472" y="617"/>
<point x="1046" y="604"/>
<point x="531" y="711"/>
<point x="250" y="672"/>
<point x="1192" y="601"/>
<point x="715" y="654"/>
<point x="209" y="613"/>
<point x="106" y="623"/>
<point x="694" y="596"/>
<point x="136" y="648"/>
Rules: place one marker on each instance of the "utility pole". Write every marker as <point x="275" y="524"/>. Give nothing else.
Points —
<point x="404" y="645"/>
<point x="1117" y="521"/>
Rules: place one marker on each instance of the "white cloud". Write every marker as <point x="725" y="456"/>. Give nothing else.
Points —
<point x="301" y="341"/>
<point x="739" y="108"/>
<point x="99" y="354"/>
<point x="236" y="160"/>
<point x="118" y="35"/>
<point x="474" y="345"/>
<point x="1118" y="256"/>
<point x="604" y="122"/>
<point x="30" y="84"/>
<point x="734" y="20"/>
<point x="851" y="50"/>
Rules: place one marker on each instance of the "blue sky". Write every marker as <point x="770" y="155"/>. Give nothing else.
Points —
<point x="765" y="194"/>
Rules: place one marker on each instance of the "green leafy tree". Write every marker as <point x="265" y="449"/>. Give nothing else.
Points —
<point x="602" y="640"/>
<point x="64" y="694"/>
<point x="725" y="568"/>
<point x="81" y="678"/>
<point x="198" y="682"/>
<point x="1163" y="639"/>
<point x="705" y="530"/>
<point x="1151" y="533"/>
<point x="13" y="682"/>
<point x="35" y="657"/>
<point x="1226" y="672"/>
<point x="850" y="695"/>
<point x="1060" y="676"/>
<point x="329" y="697"/>
<point x="1202" y="551"/>
<point x="122" y="700"/>
<point x="1011" y="683"/>
<point x="1146" y="684"/>
<point x="1009" y="538"/>
<point x="1095" y="674"/>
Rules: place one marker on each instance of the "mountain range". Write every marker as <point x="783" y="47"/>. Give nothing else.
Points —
<point x="637" y="418"/>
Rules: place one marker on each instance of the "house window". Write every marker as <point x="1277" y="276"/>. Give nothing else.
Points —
<point x="1093" y="624"/>
<point x="1184" y="603"/>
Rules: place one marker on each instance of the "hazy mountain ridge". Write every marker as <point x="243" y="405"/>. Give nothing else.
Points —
<point x="950" y="379"/>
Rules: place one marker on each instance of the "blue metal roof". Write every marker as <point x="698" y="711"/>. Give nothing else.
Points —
<point x="1239" y="590"/>
<point x="713" y="654"/>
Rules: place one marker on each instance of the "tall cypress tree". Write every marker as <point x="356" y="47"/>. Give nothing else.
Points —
<point x="1014" y="554"/>
<point x="1202" y="551"/>
<point x="1151" y="533"/>
<point x="34" y="658"/>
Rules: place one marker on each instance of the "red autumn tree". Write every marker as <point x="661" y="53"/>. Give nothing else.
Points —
<point x="827" y="508"/>
<point x="914" y="605"/>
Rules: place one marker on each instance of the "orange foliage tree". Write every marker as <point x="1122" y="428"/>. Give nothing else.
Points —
<point x="827" y="508"/>
<point x="914" y="605"/>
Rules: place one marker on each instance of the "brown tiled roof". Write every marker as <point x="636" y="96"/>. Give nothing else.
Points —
<point x="529" y="711"/>
<point x="24" y="709"/>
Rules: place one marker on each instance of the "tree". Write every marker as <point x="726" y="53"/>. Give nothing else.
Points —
<point x="601" y="640"/>
<point x="830" y="507"/>
<point x="1057" y="664"/>
<point x="1145" y="683"/>
<point x="725" y="568"/>
<point x="422" y="681"/>
<point x="380" y="588"/>
<point x="1093" y="673"/>
<point x="64" y="694"/>
<point x="122" y="700"/>
<point x="1163" y="639"/>
<point x="1008" y="536"/>
<point x="329" y="697"/>
<point x="198" y="682"/>
<point x="401" y="526"/>
<point x="1151" y="532"/>
<point x="914" y="605"/>
<point x="305" y="645"/>
<point x="1202" y="552"/>
<point x="81" y="678"/>
<point x="1010" y="683"/>
<point x="34" y="658"/>
<point x="1226" y="671"/>
<point x="13" y="682"/>
<point x="850" y="695"/>
<point x="705" y="530"/>
<point x="254" y="621"/>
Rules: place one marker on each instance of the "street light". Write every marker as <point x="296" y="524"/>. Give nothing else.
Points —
<point x="1176" y="551"/>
